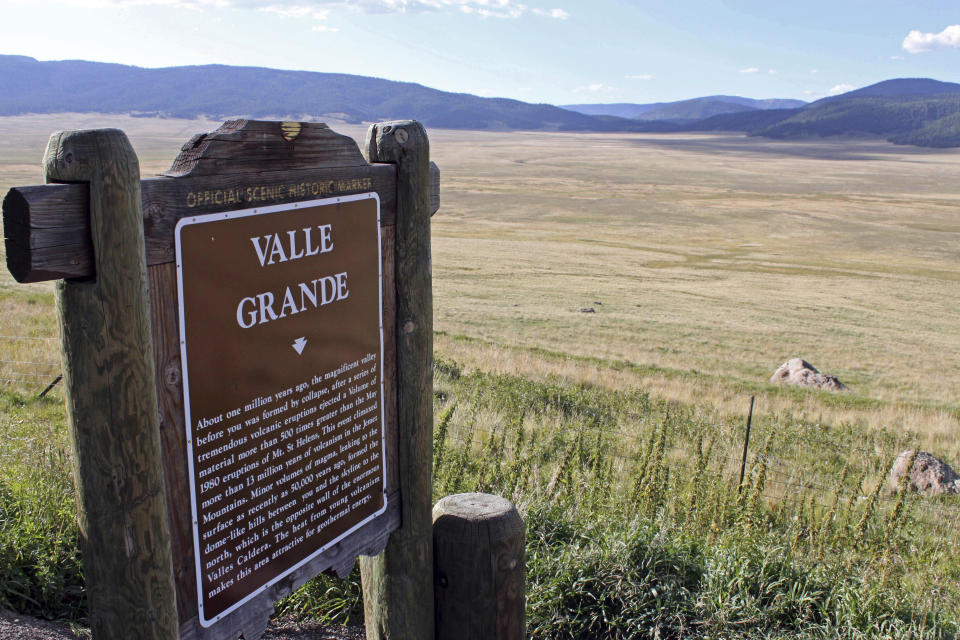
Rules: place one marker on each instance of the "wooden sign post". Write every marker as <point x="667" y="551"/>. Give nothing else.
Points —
<point x="247" y="349"/>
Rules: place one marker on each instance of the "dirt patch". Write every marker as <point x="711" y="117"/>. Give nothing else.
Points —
<point x="14" y="626"/>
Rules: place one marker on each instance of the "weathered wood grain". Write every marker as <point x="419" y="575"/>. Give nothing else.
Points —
<point x="391" y="458"/>
<point x="38" y="221"/>
<point x="250" y="621"/>
<point x="281" y="145"/>
<point x="47" y="227"/>
<point x="163" y="199"/>
<point x="55" y="231"/>
<point x="478" y="551"/>
<point x="169" y="375"/>
<point x="398" y="584"/>
<point x="111" y="397"/>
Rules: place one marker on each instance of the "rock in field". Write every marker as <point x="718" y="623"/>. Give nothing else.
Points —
<point x="930" y="476"/>
<point x="801" y="373"/>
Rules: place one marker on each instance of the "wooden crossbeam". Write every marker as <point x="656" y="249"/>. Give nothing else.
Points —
<point x="47" y="227"/>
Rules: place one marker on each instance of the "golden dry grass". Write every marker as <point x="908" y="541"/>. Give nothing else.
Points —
<point x="715" y="258"/>
<point x="709" y="260"/>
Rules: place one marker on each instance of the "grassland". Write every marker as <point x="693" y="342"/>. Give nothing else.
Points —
<point x="715" y="258"/>
<point x="708" y="261"/>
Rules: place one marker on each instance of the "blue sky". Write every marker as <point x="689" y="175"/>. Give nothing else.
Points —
<point x="556" y="51"/>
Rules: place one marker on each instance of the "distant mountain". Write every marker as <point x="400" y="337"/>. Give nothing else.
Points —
<point x="907" y="111"/>
<point x="619" y="110"/>
<point x="901" y="87"/>
<point x="943" y="132"/>
<point x="745" y="121"/>
<point x="693" y="109"/>
<point x="696" y="109"/>
<point x="29" y="86"/>
<point x="764" y="104"/>
<point x="916" y="111"/>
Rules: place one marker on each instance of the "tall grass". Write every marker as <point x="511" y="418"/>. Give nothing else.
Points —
<point x="40" y="565"/>
<point x="635" y="524"/>
<point x="636" y="527"/>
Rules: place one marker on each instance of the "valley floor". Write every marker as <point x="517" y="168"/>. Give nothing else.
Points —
<point x="707" y="261"/>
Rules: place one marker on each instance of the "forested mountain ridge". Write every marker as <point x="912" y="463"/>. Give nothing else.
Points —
<point x="692" y="109"/>
<point x="899" y="119"/>
<point x="218" y="91"/>
<point x="918" y="111"/>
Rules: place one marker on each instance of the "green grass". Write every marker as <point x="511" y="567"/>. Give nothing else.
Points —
<point x="634" y="523"/>
<point x="710" y="260"/>
<point x="635" y="527"/>
<point x="40" y="564"/>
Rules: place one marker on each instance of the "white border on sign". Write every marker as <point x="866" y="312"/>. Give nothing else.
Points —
<point x="242" y="213"/>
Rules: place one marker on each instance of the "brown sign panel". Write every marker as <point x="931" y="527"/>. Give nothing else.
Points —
<point x="282" y="350"/>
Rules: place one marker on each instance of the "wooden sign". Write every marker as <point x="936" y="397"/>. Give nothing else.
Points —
<point x="250" y="298"/>
<point x="281" y="346"/>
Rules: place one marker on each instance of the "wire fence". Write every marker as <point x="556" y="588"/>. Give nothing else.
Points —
<point x="40" y="373"/>
<point x="782" y="475"/>
<point x="27" y="362"/>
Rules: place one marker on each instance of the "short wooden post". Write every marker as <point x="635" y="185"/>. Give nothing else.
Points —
<point x="478" y="547"/>
<point x="112" y="397"/>
<point x="398" y="583"/>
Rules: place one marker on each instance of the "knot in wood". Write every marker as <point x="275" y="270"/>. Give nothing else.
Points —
<point x="172" y="374"/>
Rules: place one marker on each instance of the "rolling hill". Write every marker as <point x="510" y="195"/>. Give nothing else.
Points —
<point x="906" y="111"/>
<point x="615" y="109"/>
<point x="684" y="110"/>
<point x="30" y="86"/>
<point x="695" y="109"/>
<point x="917" y="111"/>
<point x="898" y="88"/>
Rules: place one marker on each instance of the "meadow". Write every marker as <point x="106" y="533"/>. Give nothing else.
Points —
<point x="708" y="260"/>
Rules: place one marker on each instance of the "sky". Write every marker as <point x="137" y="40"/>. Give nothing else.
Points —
<point x="554" y="51"/>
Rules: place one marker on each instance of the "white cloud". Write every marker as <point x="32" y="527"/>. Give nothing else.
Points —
<point x="639" y="76"/>
<point x="772" y="72"/>
<point x="841" y="88"/>
<point x="814" y="70"/>
<point x="596" y="87"/>
<point x="896" y="57"/>
<point x="173" y="4"/>
<point x="483" y="9"/>
<point x="750" y="70"/>
<point x="559" y="14"/>
<point x="919" y="42"/>
<point x="320" y="10"/>
<point x="303" y="11"/>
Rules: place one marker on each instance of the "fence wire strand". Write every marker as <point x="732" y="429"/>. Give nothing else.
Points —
<point x="463" y="435"/>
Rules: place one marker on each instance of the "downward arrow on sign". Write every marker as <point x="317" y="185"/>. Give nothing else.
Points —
<point x="299" y="345"/>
